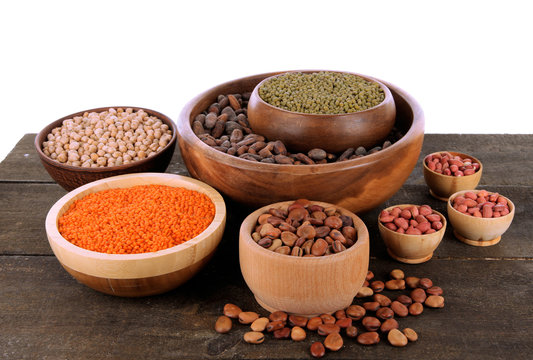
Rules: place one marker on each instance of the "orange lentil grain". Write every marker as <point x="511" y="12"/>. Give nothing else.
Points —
<point x="135" y="220"/>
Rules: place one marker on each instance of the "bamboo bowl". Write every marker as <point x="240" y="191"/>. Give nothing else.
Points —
<point x="70" y="177"/>
<point x="134" y="275"/>
<point x="478" y="231"/>
<point x="411" y="249"/>
<point x="303" y="285"/>
<point x="331" y="132"/>
<point x="442" y="186"/>
<point x="357" y="185"/>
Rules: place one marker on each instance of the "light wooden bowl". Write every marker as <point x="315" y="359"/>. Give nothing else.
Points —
<point x="478" y="231"/>
<point x="358" y="185"/>
<point x="442" y="186"/>
<point x="303" y="285"/>
<point x="333" y="133"/>
<point x="134" y="275"/>
<point x="70" y="177"/>
<point x="411" y="249"/>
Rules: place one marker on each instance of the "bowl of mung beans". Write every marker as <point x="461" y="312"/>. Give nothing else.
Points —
<point x="303" y="257"/>
<point x="330" y="110"/>
<point x="136" y="234"/>
<point x="107" y="141"/>
<point x="219" y="147"/>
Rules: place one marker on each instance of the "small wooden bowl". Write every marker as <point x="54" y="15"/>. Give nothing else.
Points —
<point x="478" y="231"/>
<point x="333" y="133"/>
<point x="70" y="177"/>
<point x="442" y="186"/>
<point x="411" y="249"/>
<point x="357" y="185"/>
<point x="303" y="285"/>
<point x="134" y="275"/>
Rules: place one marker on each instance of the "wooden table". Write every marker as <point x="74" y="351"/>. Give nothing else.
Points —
<point x="45" y="313"/>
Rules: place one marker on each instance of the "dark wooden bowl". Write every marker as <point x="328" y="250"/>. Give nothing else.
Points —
<point x="357" y="185"/>
<point x="71" y="177"/>
<point x="331" y="132"/>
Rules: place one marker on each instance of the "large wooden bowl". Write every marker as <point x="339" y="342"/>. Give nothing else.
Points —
<point x="303" y="285"/>
<point x="478" y="231"/>
<point x="333" y="133"/>
<point x="442" y="186"/>
<point x="133" y="275"/>
<point x="411" y="249"/>
<point x="358" y="185"/>
<point x="70" y="177"/>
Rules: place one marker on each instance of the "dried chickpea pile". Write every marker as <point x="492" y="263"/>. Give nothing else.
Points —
<point x="135" y="220"/>
<point x="109" y="138"/>
<point x="376" y="317"/>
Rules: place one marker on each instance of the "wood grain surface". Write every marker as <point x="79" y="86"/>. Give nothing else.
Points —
<point x="45" y="313"/>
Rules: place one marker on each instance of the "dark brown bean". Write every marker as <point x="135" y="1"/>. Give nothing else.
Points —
<point x="385" y="313"/>
<point x="418" y="295"/>
<point x="382" y="300"/>
<point x="434" y="290"/>
<point x="333" y="342"/>
<point x="314" y="323"/>
<point x="265" y="242"/>
<point x="344" y="323"/>
<point x="355" y="312"/>
<point x="232" y="311"/>
<point x="275" y="325"/>
<point x="338" y="246"/>
<point x="223" y="324"/>
<point x="416" y="309"/>
<point x="278" y="316"/>
<point x="369" y="275"/>
<point x="368" y="338"/>
<point x="404" y="299"/>
<point x="283" y="333"/>
<point x="340" y="314"/>
<point x="371" y="323"/>
<point x="317" y="349"/>
<point x="425" y="283"/>
<point x="399" y="309"/>
<point x="300" y="321"/>
<point x="351" y="331"/>
<point x="388" y="325"/>
<point x="377" y="286"/>
<point x="371" y="305"/>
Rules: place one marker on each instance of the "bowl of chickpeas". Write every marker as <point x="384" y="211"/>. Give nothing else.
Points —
<point x="97" y="143"/>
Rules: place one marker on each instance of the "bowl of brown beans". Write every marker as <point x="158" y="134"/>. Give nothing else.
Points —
<point x="303" y="257"/>
<point x="102" y="142"/>
<point x="447" y="172"/>
<point x="136" y="234"/>
<point x="411" y="232"/>
<point x="220" y="148"/>
<point x="480" y="217"/>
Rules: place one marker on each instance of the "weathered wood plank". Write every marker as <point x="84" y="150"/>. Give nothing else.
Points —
<point x="24" y="208"/>
<point x="44" y="313"/>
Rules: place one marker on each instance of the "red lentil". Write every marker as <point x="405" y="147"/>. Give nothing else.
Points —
<point x="135" y="220"/>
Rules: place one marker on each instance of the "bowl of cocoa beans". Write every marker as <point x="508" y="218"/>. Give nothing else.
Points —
<point x="411" y="232"/>
<point x="303" y="257"/>
<point x="480" y="217"/>
<point x="220" y="148"/>
<point x="447" y="172"/>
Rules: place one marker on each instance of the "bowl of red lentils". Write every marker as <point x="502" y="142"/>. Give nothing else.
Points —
<point x="136" y="234"/>
<point x="93" y="144"/>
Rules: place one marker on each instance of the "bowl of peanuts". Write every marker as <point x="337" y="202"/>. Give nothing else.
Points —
<point x="411" y="232"/>
<point x="93" y="144"/>
<point x="303" y="257"/>
<point x="136" y="234"/>
<point x="447" y="172"/>
<point x="480" y="218"/>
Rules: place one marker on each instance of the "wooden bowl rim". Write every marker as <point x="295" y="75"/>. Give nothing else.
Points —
<point x="362" y="234"/>
<point x="501" y="218"/>
<point x="410" y="236"/>
<point x="64" y="202"/>
<point x="453" y="153"/>
<point x="187" y="135"/>
<point x="386" y="91"/>
<point x="47" y="129"/>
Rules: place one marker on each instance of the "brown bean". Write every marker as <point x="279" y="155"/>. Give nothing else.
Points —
<point x="285" y="250"/>
<point x="385" y="313"/>
<point x="248" y="317"/>
<point x="434" y="301"/>
<point x="340" y="314"/>
<point x="418" y="295"/>
<point x="283" y="333"/>
<point x="333" y="342"/>
<point x="399" y="309"/>
<point x="338" y="246"/>
<point x="416" y="309"/>
<point x="397" y="338"/>
<point x="319" y="247"/>
<point x="377" y="286"/>
<point x="232" y="311"/>
<point x="410" y="334"/>
<point x="295" y="320"/>
<point x="371" y="323"/>
<point x="298" y="333"/>
<point x="382" y="300"/>
<point x="351" y="331"/>
<point x="333" y="222"/>
<point x="425" y="283"/>
<point x="395" y="284"/>
<point x="327" y="319"/>
<point x="278" y="316"/>
<point x="388" y="325"/>
<point x="275" y="325"/>
<point x="355" y="312"/>
<point x="297" y="251"/>
<point x="412" y="282"/>
<point x="317" y="349"/>
<point x="364" y="291"/>
<point x="259" y="324"/>
<point x="254" y="337"/>
<point x="288" y="238"/>
<point x="326" y="329"/>
<point x="434" y="290"/>
<point x="371" y="305"/>
<point x="314" y="323"/>
<point x="404" y="299"/>
<point x="306" y="231"/>
<point x="368" y="338"/>
<point x="223" y="324"/>
<point x="344" y="323"/>
<point x="369" y="275"/>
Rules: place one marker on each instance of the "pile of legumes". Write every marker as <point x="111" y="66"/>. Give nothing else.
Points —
<point x="483" y="204"/>
<point x="414" y="220"/>
<point x="109" y="138"/>
<point x="375" y="315"/>
<point x="323" y="92"/>
<point x="451" y="165"/>
<point x="134" y="220"/>
<point x="305" y="229"/>
<point x="224" y="126"/>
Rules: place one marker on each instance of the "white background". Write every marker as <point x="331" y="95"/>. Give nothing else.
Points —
<point x="468" y="63"/>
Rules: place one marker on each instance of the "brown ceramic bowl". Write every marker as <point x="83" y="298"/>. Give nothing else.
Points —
<point x="357" y="185"/>
<point x="478" y="231"/>
<point x="70" y="177"/>
<point x="303" y="285"/>
<point x="442" y="186"/>
<point x="331" y="132"/>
